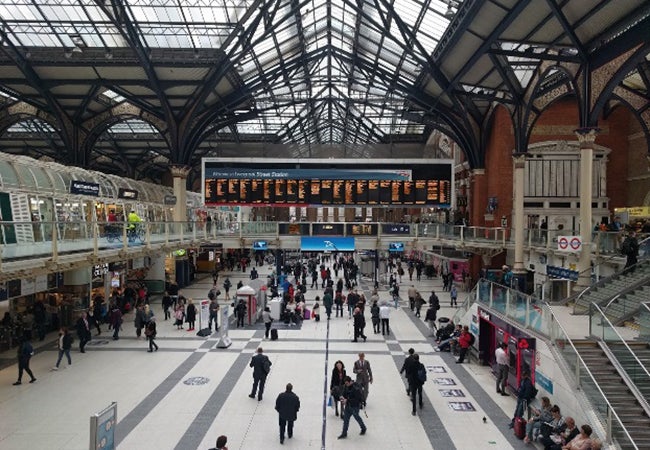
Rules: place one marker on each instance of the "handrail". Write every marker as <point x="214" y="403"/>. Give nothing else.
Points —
<point x="605" y="280"/>
<point x="581" y="365"/>
<point x="620" y="338"/>
<point x="609" y="405"/>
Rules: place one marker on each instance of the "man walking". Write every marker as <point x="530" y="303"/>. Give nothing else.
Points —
<point x="83" y="332"/>
<point x="287" y="405"/>
<point x="415" y="380"/>
<point x="405" y="366"/>
<point x="384" y="316"/>
<point x="351" y="398"/>
<point x="25" y="353"/>
<point x="261" y="365"/>
<point x="502" y="367"/>
<point x="364" y="375"/>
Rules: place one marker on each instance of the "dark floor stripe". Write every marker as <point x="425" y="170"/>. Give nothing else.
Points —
<point x="199" y="427"/>
<point x="133" y="419"/>
<point x="325" y="386"/>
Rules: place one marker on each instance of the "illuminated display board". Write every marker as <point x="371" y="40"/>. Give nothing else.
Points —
<point x="284" y="182"/>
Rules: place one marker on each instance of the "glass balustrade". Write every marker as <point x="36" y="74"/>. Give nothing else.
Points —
<point x="643" y="320"/>
<point x="601" y="328"/>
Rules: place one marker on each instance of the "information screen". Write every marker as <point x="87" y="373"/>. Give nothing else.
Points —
<point x="323" y="182"/>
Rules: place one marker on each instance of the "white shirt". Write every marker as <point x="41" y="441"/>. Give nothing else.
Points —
<point x="501" y="356"/>
<point x="384" y="312"/>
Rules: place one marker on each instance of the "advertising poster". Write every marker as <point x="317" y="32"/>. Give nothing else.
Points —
<point x="102" y="428"/>
<point x="445" y="381"/>
<point x="204" y="318"/>
<point x="451" y="393"/>
<point x="461" y="406"/>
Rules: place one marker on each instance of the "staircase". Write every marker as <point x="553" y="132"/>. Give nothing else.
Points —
<point x="602" y="293"/>
<point x="628" y="409"/>
<point x="631" y="366"/>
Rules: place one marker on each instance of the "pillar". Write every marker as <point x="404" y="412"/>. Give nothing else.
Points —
<point x="179" y="173"/>
<point x="478" y="197"/>
<point x="336" y="214"/>
<point x="586" y="137"/>
<point x="312" y="215"/>
<point x="518" y="216"/>
<point x="326" y="215"/>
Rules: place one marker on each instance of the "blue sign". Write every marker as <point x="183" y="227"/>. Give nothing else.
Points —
<point x="260" y="245"/>
<point x="544" y="382"/>
<point x="396" y="247"/>
<point x="326" y="244"/>
<point x="562" y="272"/>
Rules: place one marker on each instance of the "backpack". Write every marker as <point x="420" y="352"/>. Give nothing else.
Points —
<point x="267" y="365"/>
<point x="472" y="339"/>
<point x="533" y="392"/>
<point x="422" y="374"/>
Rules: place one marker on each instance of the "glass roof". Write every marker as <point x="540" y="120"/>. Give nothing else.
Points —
<point x="296" y="72"/>
<point x="320" y="70"/>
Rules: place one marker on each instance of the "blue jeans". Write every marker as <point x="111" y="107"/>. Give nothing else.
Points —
<point x="351" y="411"/>
<point x="61" y="353"/>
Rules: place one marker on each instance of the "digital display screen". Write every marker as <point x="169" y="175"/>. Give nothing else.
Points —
<point x="396" y="247"/>
<point x="421" y="184"/>
<point x="260" y="245"/>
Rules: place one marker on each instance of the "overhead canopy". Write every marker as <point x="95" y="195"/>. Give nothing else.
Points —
<point x="129" y="86"/>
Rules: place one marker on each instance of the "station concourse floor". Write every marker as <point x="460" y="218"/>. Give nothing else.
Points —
<point x="189" y="392"/>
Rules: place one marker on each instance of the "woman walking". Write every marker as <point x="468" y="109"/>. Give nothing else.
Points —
<point x="179" y="315"/>
<point x="150" y="332"/>
<point x="191" y="314"/>
<point x="337" y="385"/>
<point x="64" y="345"/>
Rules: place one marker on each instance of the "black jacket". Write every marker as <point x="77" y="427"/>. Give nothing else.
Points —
<point x="353" y="395"/>
<point x="337" y="379"/>
<point x="287" y="405"/>
<point x="257" y="363"/>
<point x="525" y="390"/>
<point x="412" y="373"/>
<point x="407" y="363"/>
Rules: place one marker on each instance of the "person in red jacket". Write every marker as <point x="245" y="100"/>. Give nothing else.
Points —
<point x="464" y="342"/>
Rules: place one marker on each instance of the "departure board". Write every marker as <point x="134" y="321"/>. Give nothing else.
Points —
<point x="383" y="183"/>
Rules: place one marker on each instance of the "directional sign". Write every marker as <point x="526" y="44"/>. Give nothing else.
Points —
<point x="569" y="244"/>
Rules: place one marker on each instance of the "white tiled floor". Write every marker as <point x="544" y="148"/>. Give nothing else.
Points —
<point x="54" y="412"/>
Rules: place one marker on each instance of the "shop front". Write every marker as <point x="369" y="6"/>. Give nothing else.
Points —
<point x="521" y="346"/>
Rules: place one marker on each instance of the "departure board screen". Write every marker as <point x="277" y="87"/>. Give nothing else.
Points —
<point x="323" y="182"/>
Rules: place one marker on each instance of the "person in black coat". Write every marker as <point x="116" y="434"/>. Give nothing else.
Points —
<point x="240" y="312"/>
<point x="525" y="393"/>
<point x="352" y="398"/>
<point x="190" y="315"/>
<point x="261" y="365"/>
<point x="287" y="405"/>
<point x="359" y="325"/>
<point x="83" y="331"/>
<point x="150" y="333"/>
<point x="337" y="384"/>
<point x="415" y="384"/>
<point x="407" y="363"/>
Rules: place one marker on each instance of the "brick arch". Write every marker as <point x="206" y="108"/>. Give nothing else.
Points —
<point x="21" y="111"/>
<point x="123" y="112"/>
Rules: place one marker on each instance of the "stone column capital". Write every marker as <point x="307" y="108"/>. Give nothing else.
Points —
<point x="179" y="170"/>
<point x="587" y="136"/>
<point x="519" y="160"/>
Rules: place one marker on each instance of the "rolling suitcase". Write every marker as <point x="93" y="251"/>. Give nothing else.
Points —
<point x="520" y="424"/>
<point x="274" y="334"/>
<point x="307" y="314"/>
<point x="520" y="427"/>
